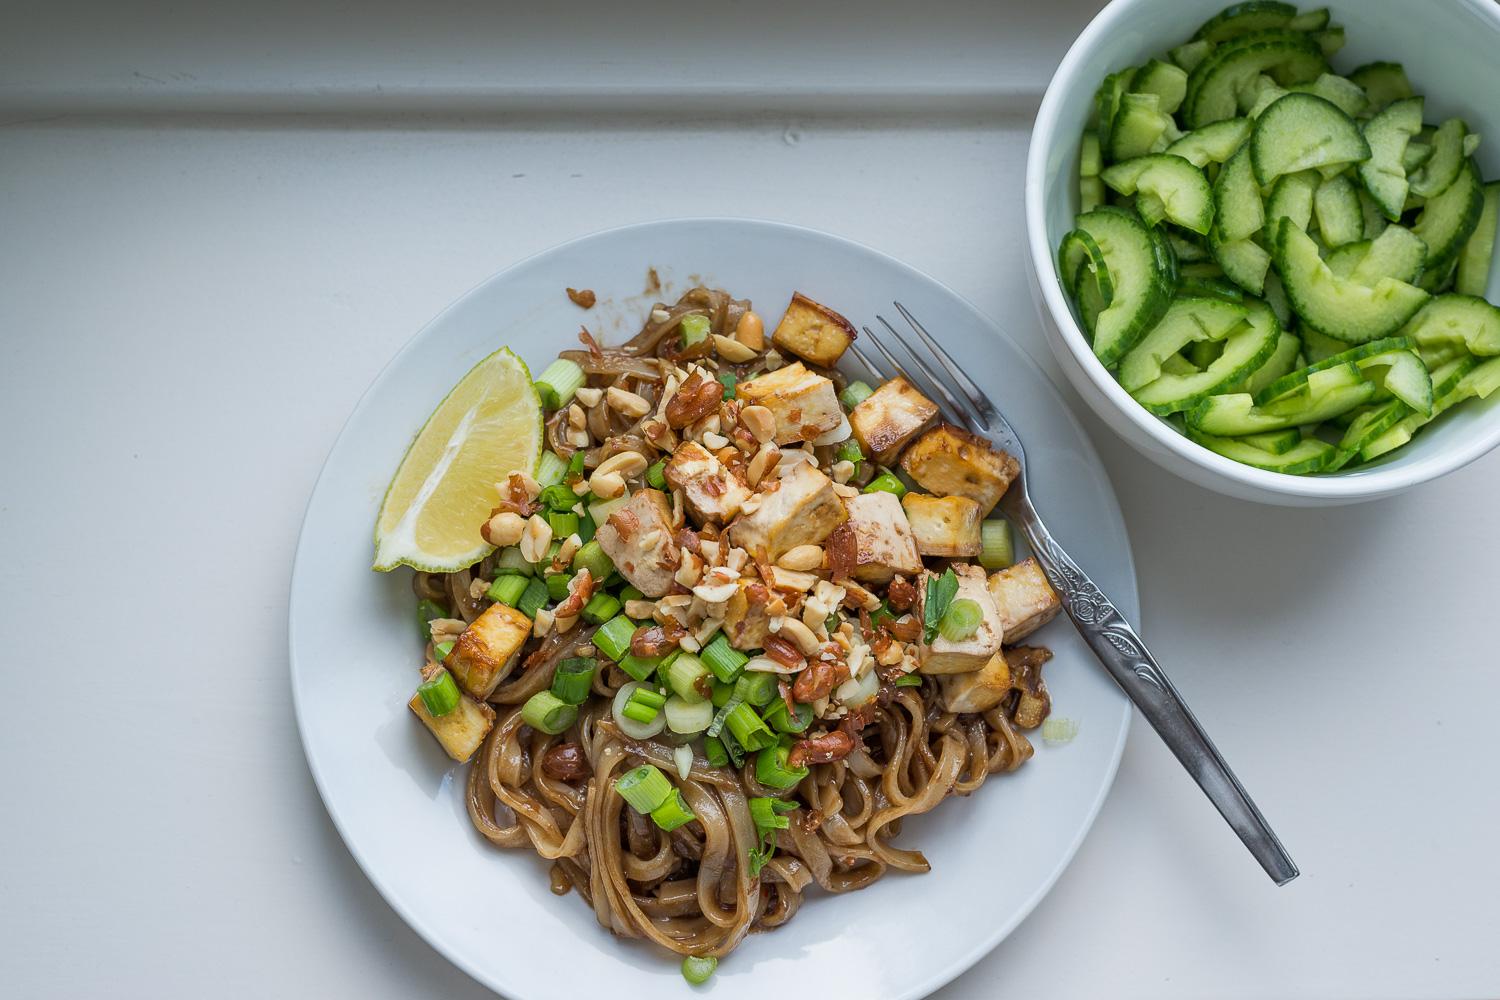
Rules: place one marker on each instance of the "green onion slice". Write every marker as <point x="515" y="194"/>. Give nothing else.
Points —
<point x="694" y="329"/>
<point x="961" y="620"/>
<point x="574" y="680"/>
<point x="757" y="687"/>
<point x="697" y="968"/>
<point x="856" y="393"/>
<point x="532" y="600"/>
<point x="439" y="695"/>
<point x="426" y="612"/>
<point x="507" y="590"/>
<point x="999" y="547"/>
<point x="940" y="591"/>
<point x="687" y="717"/>
<point x="656" y="476"/>
<point x="772" y="770"/>
<point x="684" y="675"/>
<point x="1056" y="730"/>
<point x="613" y="637"/>
<point x="673" y="813"/>
<point x="592" y="557"/>
<point x="750" y="729"/>
<point x="908" y="681"/>
<point x="713" y="749"/>
<point x="550" y="469"/>
<point x="724" y="660"/>
<point x="547" y="713"/>
<point x="886" y="483"/>
<point x="558" y="383"/>
<point x="442" y="650"/>
<point x="645" y="788"/>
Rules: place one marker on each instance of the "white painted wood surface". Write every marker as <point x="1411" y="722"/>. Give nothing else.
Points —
<point x="196" y="290"/>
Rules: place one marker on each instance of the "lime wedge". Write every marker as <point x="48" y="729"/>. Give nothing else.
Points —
<point x="489" y="426"/>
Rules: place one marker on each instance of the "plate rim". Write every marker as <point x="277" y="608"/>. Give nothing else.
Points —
<point x="939" y="977"/>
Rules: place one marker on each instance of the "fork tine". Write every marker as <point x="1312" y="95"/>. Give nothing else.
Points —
<point x="874" y="372"/>
<point x="953" y="408"/>
<point x="976" y="397"/>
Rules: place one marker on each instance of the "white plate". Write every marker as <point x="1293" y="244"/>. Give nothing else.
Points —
<point x="397" y="799"/>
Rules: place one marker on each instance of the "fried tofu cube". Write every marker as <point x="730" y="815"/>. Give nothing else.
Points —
<point x="806" y="405"/>
<point x="977" y="690"/>
<point x="746" y="620"/>
<point x="487" y="650"/>
<point x="813" y="332"/>
<point x="944" y="526"/>
<point x="462" y="730"/>
<point x="888" y="418"/>
<point x="713" y="493"/>
<point x="949" y="461"/>
<point x="884" y="545"/>
<point x="801" y="511"/>
<point x="638" y="537"/>
<point x="944" y="656"/>
<point x="1023" y="598"/>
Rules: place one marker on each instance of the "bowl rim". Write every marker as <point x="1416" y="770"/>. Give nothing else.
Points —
<point x="1341" y="485"/>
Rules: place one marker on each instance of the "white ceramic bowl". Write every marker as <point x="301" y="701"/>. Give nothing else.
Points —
<point x="1451" y="52"/>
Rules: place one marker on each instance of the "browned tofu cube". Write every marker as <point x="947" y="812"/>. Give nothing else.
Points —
<point x="813" y="332"/>
<point x="462" y="730"/>
<point x="746" y="620"/>
<point x="806" y="405"/>
<point x="944" y="526"/>
<point x="946" y="656"/>
<point x="889" y="418"/>
<point x="883" y="541"/>
<point x="1023" y="599"/>
<point x="713" y="493"/>
<point x="977" y="690"/>
<point x="949" y="461"/>
<point x="638" y="537"/>
<point x="487" y="651"/>
<point x="802" y="511"/>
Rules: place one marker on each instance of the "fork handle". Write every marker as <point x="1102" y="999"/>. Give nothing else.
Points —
<point x="1126" y="658"/>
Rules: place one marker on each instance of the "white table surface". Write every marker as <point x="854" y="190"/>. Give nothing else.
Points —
<point x="196" y="286"/>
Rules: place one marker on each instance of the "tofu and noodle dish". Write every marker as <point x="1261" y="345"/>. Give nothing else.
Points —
<point x="742" y="618"/>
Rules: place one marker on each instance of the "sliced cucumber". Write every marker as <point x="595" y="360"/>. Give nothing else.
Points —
<point x="1310" y="20"/>
<point x="1452" y="384"/>
<point x="1318" y="347"/>
<point x="1237" y="19"/>
<point x="1448" y="158"/>
<point x="1343" y="260"/>
<point x="1415" y="154"/>
<point x="1089" y="160"/>
<point x="1188" y="251"/>
<point x="1292" y="198"/>
<point x="1214" y="84"/>
<point x="1137" y="126"/>
<point x="1308" y="456"/>
<point x="1090" y="299"/>
<point x="1143" y="274"/>
<point x="1077" y="252"/>
<point x="1337" y="208"/>
<point x="1473" y="275"/>
<point x="1189" y="55"/>
<point x="1459" y="320"/>
<point x="1201" y="269"/>
<point x="1384" y="82"/>
<point x="1348" y="96"/>
<point x="1275" y="296"/>
<point x="1328" y="394"/>
<point x="1375" y="221"/>
<point x="1297" y="381"/>
<point x="1303" y="132"/>
<point x="1188" y="320"/>
<point x="1282" y="360"/>
<point x="1340" y="308"/>
<point x="1401" y="374"/>
<point x="1368" y="425"/>
<point x="1276" y="442"/>
<point x="1090" y="193"/>
<point x="1181" y="187"/>
<point x="1384" y="173"/>
<point x="1238" y="211"/>
<point x="1396" y="253"/>
<point x="1447" y="221"/>
<point x="1167" y="82"/>
<point x="1330" y="40"/>
<point x="1244" y="352"/>
<point x="1214" y="143"/>
<point x="1243" y="261"/>
<point x="1210" y="288"/>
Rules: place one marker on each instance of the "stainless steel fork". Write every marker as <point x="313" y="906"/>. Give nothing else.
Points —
<point x="1100" y="623"/>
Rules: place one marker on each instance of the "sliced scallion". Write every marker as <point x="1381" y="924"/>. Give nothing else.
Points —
<point x="961" y="620"/>
<point x="750" y="729"/>
<point x="549" y="469"/>
<point x="713" y="749"/>
<point x="940" y="591"/>
<point x="656" y="476"/>
<point x="766" y="813"/>
<point x="558" y="496"/>
<point x="557" y="586"/>
<point x="686" y="717"/>
<point x="574" y="680"/>
<point x="439" y="695"/>
<point x="628" y="593"/>
<point x="442" y="650"/>
<point x="547" y="713"/>
<point x="510" y="562"/>
<point x="886" y="483"/>
<point x="850" y="451"/>
<point x="684" y="675"/>
<point x="999" y="547"/>
<point x="723" y="659"/>
<point x="645" y="788"/>
<point x="908" y="681"/>
<point x="533" y="598"/>
<point x="592" y="557"/>
<point x="558" y="383"/>
<point x="563" y="523"/>
<point x="613" y="637"/>
<point x="773" y="771"/>
<point x="600" y="609"/>
<point x="779" y="719"/>
<point x="426" y="612"/>
<point x="694" y="329"/>
<point x="697" y="968"/>
<point x="1056" y="730"/>
<point x="639" y="667"/>
<point x="673" y="813"/>
<point x="756" y="687"/>
<point x="856" y="393"/>
<point x="507" y="590"/>
<point x="727" y="380"/>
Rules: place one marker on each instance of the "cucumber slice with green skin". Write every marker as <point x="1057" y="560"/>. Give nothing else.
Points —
<point x="1384" y="174"/>
<point x="1448" y="159"/>
<point x="1188" y="251"/>
<point x="1089" y="160"/>
<point x="1214" y="143"/>
<point x="1340" y="308"/>
<point x="1344" y="259"/>
<point x="1303" y="132"/>
<point x="1396" y="253"/>
<point x="1481" y="380"/>
<point x="1243" y="262"/>
<point x="1275" y="296"/>
<point x="1176" y="364"/>
<point x="1244" y="352"/>
<point x="1459" y="320"/>
<point x="1201" y="269"/>
<point x="1447" y="221"/>
<point x="1330" y="40"/>
<point x="1337" y="208"/>
<point x="1090" y="193"/>
<point x="1275" y="442"/>
<point x="1415" y="154"/>
<point x="1384" y="82"/>
<point x="1076" y="252"/>
<point x="1190" y="54"/>
<point x="1266" y="98"/>
<point x="1213" y="86"/>
<point x="1144" y="275"/>
<point x="1367" y="426"/>
<point x="1331" y="393"/>
<point x="1181" y="187"/>
<point x="1187" y="321"/>
<point x="1110" y="91"/>
<point x="1452" y="384"/>
<point x="1137" y="127"/>
<point x="1311" y="20"/>
<point x="1210" y="288"/>
<point x="1317" y="346"/>
<point x="1166" y="81"/>
<point x="1401" y="374"/>
<point x="1204" y="353"/>
<point x="1348" y="96"/>
<point x="1282" y="360"/>
<point x="1473" y="276"/>
<point x="1292" y="198"/>
<point x="1375" y="221"/>
<point x="1238" y="211"/>
<point x="1237" y="19"/>
<point x="1308" y="456"/>
<point x="1090" y="298"/>
<point x="1297" y="381"/>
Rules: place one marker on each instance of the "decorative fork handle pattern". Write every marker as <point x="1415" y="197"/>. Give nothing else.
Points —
<point x="1128" y="661"/>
